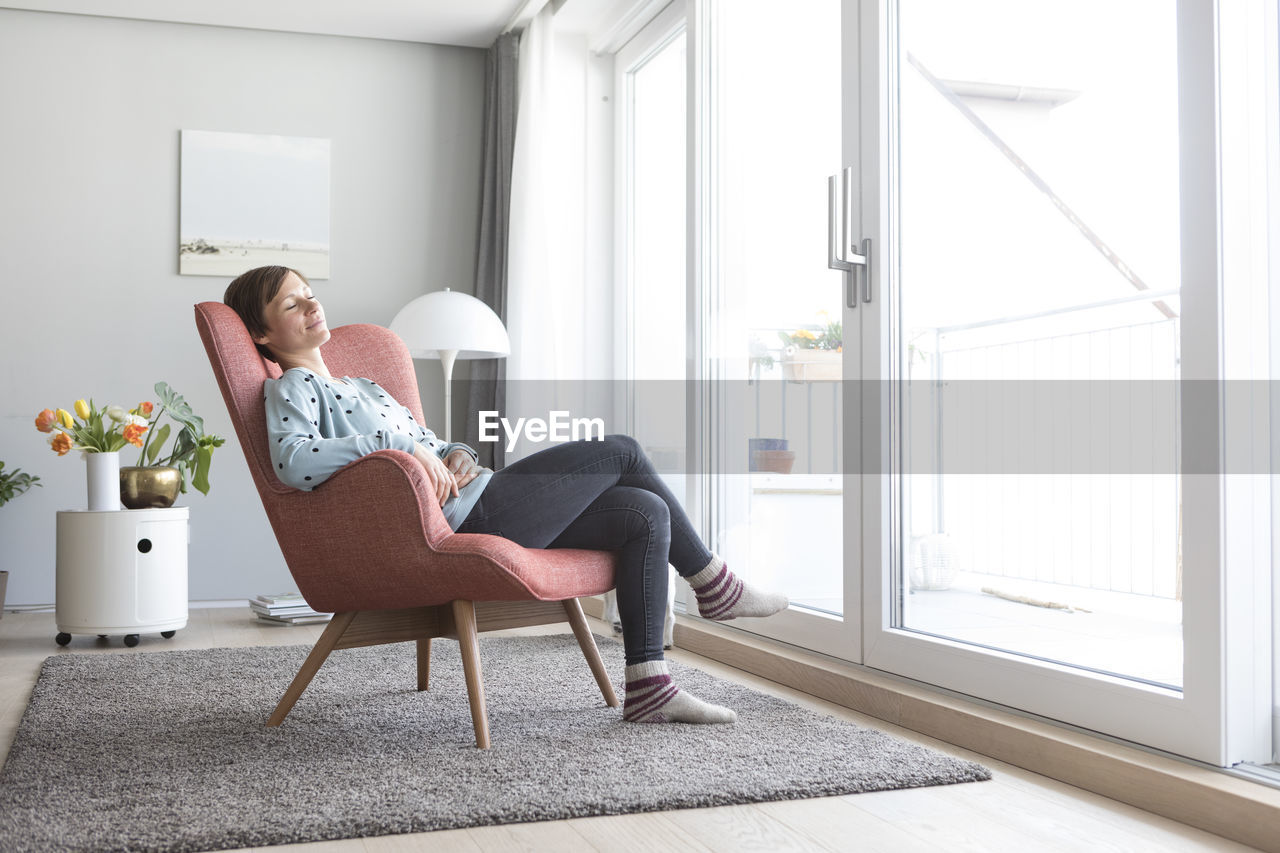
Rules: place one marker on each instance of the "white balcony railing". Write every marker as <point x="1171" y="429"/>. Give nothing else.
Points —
<point x="1102" y="529"/>
<point x="1098" y="530"/>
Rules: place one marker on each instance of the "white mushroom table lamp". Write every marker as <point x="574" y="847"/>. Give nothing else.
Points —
<point x="448" y="326"/>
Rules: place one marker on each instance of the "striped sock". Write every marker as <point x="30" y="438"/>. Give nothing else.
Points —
<point x="652" y="697"/>
<point x="722" y="595"/>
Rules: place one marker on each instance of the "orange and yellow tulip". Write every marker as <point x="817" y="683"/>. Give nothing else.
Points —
<point x="133" y="434"/>
<point x="45" y="420"/>
<point x="61" y="443"/>
<point x="145" y="409"/>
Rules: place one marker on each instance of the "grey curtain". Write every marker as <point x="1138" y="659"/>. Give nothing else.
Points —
<point x="488" y="376"/>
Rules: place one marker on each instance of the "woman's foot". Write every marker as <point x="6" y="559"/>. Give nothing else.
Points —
<point x="652" y="697"/>
<point x="722" y="595"/>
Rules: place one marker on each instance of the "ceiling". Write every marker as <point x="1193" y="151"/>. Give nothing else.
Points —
<point x="471" y="23"/>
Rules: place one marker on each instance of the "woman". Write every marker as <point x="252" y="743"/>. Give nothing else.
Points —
<point x="602" y="495"/>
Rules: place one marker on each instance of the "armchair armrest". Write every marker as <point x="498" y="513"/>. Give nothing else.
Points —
<point x="380" y="478"/>
<point x="368" y="538"/>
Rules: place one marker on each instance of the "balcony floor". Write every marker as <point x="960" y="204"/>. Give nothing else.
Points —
<point x="1130" y="635"/>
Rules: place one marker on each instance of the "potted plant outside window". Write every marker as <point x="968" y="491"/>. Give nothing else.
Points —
<point x="813" y="356"/>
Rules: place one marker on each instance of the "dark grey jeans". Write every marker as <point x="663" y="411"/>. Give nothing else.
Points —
<point x="602" y="495"/>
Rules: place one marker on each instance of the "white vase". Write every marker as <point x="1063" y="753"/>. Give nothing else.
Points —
<point x="104" y="481"/>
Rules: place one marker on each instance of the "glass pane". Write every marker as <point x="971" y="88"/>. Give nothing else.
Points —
<point x="774" y="333"/>
<point x="655" y="254"/>
<point x="656" y="259"/>
<point x="1036" y="331"/>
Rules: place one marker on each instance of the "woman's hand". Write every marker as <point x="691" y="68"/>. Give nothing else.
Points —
<point x="442" y="480"/>
<point x="462" y="466"/>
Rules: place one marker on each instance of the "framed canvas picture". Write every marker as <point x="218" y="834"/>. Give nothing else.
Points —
<point x="250" y="200"/>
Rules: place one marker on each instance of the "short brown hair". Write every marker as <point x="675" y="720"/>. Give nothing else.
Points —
<point x="251" y="292"/>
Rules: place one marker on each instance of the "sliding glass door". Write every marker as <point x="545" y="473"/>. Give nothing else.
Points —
<point x="1037" y="501"/>
<point x="768" y="130"/>
<point x="956" y="348"/>
<point x="1041" y="438"/>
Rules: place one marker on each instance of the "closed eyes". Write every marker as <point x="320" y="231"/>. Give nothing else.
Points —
<point x="293" y="305"/>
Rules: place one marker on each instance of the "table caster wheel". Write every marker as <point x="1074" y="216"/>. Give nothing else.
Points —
<point x="167" y="634"/>
<point x="131" y="640"/>
<point x="63" y="638"/>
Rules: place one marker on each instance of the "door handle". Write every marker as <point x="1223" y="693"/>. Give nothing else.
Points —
<point x="840" y="253"/>
<point x="837" y="235"/>
<point x="863" y="260"/>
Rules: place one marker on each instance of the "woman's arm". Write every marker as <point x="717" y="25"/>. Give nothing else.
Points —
<point x="457" y="445"/>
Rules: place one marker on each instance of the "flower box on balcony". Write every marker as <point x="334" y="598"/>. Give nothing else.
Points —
<point x="811" y="365"/>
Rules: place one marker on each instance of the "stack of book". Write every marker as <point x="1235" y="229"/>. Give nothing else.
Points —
<point x="287" y="608"/>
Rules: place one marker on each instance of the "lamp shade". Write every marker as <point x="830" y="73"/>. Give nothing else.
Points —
<point x="446" y="321"/>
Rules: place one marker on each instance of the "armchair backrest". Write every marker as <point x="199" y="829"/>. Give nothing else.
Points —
<point x="353" y="350"/>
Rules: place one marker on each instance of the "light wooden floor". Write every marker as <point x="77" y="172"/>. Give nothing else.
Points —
<point x="1016" y="811"/>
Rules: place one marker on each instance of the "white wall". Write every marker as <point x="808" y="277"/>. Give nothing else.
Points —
<point x="90" y="300"/>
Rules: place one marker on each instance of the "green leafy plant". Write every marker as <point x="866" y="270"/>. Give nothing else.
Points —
<point x="191" y="450"/>
<point x="14" y="483"/>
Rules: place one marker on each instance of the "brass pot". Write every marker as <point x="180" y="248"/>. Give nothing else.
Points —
<point x="149" y="488"/>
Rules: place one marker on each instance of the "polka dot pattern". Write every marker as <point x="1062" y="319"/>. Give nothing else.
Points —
<point x="339" y="426"/>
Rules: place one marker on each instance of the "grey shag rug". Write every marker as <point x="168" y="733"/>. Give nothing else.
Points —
<point x="167" y="751"/>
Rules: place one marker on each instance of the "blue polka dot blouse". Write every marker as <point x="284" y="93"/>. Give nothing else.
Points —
<point x="317" y="426"/>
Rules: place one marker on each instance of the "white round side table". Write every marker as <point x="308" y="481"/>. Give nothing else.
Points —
<point x="122" y="572"/>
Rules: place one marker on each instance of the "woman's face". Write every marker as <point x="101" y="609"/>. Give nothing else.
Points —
<point x="294" y="320"/>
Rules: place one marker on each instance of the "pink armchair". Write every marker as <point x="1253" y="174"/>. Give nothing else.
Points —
<point x="371" y="545"/>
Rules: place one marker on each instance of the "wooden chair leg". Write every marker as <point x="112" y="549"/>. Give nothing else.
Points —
<point x="464" y="618"/>
<point x="587" y="643"/>
<point x="424" y="662"/>
<point x="332" y="633"/>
